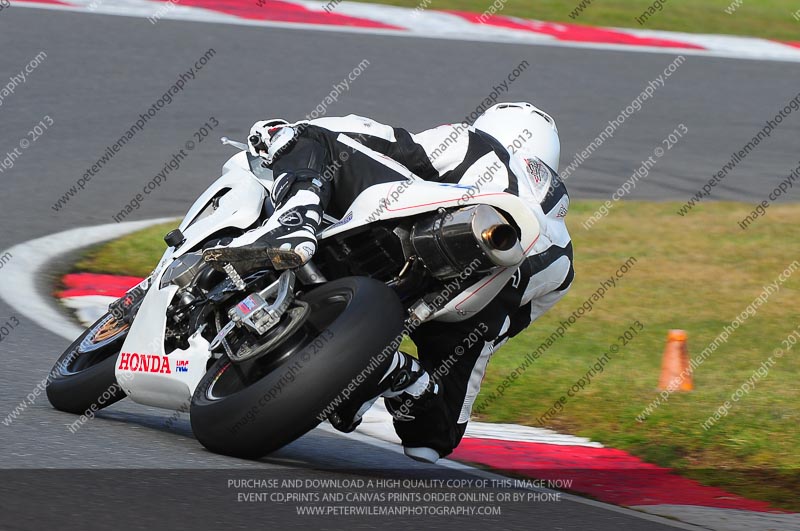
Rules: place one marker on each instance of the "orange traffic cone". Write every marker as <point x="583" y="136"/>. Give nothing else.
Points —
<point x="676" y="374"/>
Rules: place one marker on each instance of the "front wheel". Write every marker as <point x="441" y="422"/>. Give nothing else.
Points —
<point x="253" y="408"/>
<point x="83" y="377"/>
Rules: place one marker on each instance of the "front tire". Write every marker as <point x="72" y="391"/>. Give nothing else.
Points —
<point x="83" y="377"/>
<point x="253" y="408"/>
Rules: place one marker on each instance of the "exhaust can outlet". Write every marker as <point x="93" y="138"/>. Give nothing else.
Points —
<point x="476" y="237"/>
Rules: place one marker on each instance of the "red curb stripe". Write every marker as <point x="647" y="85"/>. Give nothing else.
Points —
<point x="574" y="32"/>
<point x="278" y="11"/>
<point x="606" y="474"/>
<point x="82" y="284"/>
<point x="286" y="11"/>
<point x="54" y="2"/>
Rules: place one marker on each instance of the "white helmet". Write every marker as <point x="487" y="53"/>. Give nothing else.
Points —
<point x="524" y="130"/>
<point x="268" y="138"/>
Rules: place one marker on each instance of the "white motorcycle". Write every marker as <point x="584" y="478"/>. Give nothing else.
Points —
<point x="260" y="359"/>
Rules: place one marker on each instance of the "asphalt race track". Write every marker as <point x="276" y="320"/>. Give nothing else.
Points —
<point x="101" y="72"/>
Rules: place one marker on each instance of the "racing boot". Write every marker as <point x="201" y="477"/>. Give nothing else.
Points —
<point x="286" y="240"/>
<point x="411" y="401"/>
<point x="405" y="382"/>
<point x="412" y="390"/>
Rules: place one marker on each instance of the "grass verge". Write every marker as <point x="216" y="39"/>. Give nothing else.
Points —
<point x="135" y="254"/>
<point x="698" y="273"/>
<point x="772" y="19"/>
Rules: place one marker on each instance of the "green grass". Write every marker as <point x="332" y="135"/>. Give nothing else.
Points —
<point x="696" y="273"/>
<point x="136" y="254"/>
<point x="760" y="18"/>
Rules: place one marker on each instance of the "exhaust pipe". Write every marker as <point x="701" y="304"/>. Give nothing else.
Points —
<point x="500" y="237"/>
<point x="449" y="242"/>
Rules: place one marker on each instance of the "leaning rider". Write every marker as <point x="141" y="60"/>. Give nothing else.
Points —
<point x="321" y="166"/>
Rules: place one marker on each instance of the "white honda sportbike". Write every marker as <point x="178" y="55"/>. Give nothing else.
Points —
<point x="260" y="359"/>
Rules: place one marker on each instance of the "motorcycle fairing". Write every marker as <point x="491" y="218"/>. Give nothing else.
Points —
<point x="240" y="198"/>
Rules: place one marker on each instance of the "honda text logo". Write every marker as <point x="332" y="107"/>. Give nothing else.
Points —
<point x="143" y="363"/>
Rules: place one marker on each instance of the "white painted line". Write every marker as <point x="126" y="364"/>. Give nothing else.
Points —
<point x="485" y="474"/>
<point x="378" y="423"/>
<point x="88" y="308"/>
<point x="726" y="519"/>
<point x="515" y="432"/>
<point x="747" y="49"/>
<point x="19" y="276"/>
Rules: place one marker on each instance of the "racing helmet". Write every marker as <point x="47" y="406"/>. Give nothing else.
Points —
<point x="525" y="130"/>
<point x="269" y="137"/>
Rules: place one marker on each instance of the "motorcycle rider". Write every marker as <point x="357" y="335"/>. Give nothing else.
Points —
<point x="321" y="166"/>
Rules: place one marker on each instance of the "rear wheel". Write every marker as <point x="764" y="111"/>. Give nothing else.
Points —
<point x="253" y="408"/>
<point x="83" y="376"/>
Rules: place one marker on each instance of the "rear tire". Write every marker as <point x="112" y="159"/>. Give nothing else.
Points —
<point x="83" y="377"/>
<point x="253" y="408"/>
